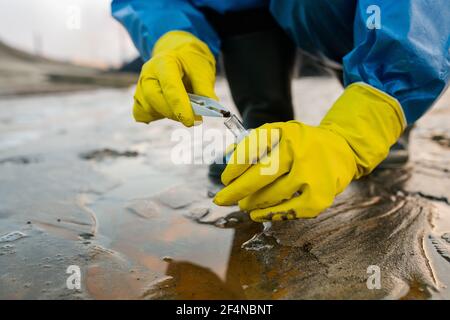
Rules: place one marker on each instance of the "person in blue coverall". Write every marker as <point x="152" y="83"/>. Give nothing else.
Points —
<point x="392" y="57"/>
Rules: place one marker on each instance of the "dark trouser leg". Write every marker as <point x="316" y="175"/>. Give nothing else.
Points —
<point x="259" y="68"/>
<point x="258" y="60"/>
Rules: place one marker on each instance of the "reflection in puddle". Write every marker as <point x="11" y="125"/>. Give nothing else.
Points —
<point x="185" y="245"/>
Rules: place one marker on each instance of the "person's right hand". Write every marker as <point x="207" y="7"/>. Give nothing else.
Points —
<point x="180" y="63"/>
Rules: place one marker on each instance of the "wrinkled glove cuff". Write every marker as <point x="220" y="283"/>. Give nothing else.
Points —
<point x="369" y="120"/>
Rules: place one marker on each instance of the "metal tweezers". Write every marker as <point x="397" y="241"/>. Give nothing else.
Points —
<point x="204" y="106"/>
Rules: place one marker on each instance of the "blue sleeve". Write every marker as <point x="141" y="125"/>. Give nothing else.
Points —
<point x="147" y="20"/>
<point x="408" y="56"/>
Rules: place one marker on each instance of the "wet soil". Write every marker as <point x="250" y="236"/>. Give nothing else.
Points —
<point x="82" y="184"/>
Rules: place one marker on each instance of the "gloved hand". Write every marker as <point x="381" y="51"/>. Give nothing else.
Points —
<point x="313" y="164"/>
<point x="180" y="63"/>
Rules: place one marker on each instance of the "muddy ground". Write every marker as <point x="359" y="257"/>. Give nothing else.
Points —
<point x="82" y="184"/>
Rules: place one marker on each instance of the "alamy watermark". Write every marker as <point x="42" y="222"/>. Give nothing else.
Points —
<point x="200" y="146"/>
<point x="73" y="17"/>
<point x="73" y="281"/>
<point x="374" y="280"/>
<point x="374" y="19"/>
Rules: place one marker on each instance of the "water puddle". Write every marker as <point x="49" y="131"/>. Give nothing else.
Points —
<point x="139" y="226"/>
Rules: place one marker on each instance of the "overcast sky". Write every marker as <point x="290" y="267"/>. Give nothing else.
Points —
<point x="82" y="31"/>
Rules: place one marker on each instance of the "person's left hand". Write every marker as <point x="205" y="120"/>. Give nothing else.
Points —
<point x="297" y="172"/>
<point x="297" y="175"/>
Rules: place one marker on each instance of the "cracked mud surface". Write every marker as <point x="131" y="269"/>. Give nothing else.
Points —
<point x="81" y="184"/>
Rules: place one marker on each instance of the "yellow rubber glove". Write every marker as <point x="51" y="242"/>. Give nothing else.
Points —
<point x="180" y="63"/>
<point x="313" y="164"/>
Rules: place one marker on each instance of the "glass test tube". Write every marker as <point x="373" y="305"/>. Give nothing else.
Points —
<point x="236" y="127"/>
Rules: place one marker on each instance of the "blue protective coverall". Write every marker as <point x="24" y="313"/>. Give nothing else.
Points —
<point x="408" y="57"/>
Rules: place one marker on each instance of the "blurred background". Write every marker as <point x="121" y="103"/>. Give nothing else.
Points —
<point x="76" y="31"/>
<point x="65" y="45"/>
<point x="52" y="46"/>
